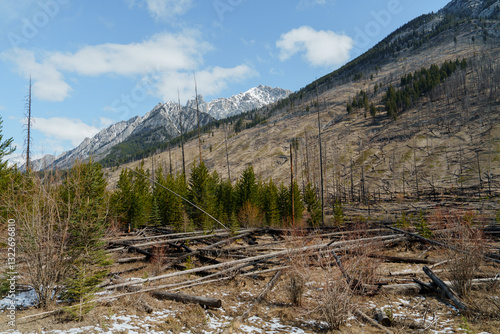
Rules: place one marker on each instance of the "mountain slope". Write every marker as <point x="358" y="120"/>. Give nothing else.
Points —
<point x="161" y="124"/>
<point x="473" y="8"/>
<point x="446" y="142"/>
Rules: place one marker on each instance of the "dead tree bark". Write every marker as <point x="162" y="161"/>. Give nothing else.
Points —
<point x="261" y="296"/>
<point x="179" y="297"/>
<point x="28" y="126"/>
<point x="197" y="115"/>
<point x="292" y="188"/>
<point x="371" y="321"/>
<point x="182" y="136"/>
<point x="444" y="290"/>
<point x="320" y="163"/>
<point x="287" y="252"/>
<point x="227" y="153"/>
<point x="438" y="243"/>
<point x="382" y="318"/>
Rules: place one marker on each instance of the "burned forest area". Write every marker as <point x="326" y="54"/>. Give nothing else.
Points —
<point x="366" y="202"/>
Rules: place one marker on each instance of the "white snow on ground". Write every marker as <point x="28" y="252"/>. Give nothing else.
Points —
<point x="133" y="324"/>
<point x="23" y="299"/>
<point x="438" y="323"/>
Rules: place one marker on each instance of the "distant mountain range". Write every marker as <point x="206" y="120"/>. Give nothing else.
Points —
<point x="162" y="123"/>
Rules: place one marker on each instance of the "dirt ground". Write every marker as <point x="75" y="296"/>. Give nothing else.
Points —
<point x="318" y="275"/>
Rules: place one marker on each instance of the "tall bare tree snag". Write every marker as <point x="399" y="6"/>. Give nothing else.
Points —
<point x="197" y="114"/>
<point x="352" y="183"/>
<point x="28" y="126"/>
<point x="292" y="189"/>
<point x="182" y="136"/>
<point x="308" y="176"/>
<point x="170" y="159"/>
<point x="320" y="163"/>
<point x="415" y="164"/>
<point x="479" y="174"/>
<point x="227" y="153"/>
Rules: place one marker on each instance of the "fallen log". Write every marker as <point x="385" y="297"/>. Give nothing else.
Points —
<point x="288" y="252"/>
<point x="131" y="259"/>
<point x="410" y="272"/>
<point x="382" y="318"/>
<point x="401" y="289"/>
<point x="179" y="297"/>
<point x="438" y="243"/>
<point x="400" y="259"/>
<point x="148" y="255"/>
<point x="117" y="273"/>
<point x="261" y="296"/>
<point x="415" y="288"/>
<point x="371" y="321"/>
<point x="444" y="290"/>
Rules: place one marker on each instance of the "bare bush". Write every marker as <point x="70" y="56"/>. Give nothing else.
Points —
<point x="43" y="235"/>
<point x="469" y="244"/>
<point x="337" y="303"/>
<point x="296" y="288"/>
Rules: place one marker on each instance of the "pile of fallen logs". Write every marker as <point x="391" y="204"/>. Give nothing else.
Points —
<point x="222" y="255"/>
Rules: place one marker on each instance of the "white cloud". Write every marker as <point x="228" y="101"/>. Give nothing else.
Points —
<point x="61" y="128"/>
<point x="319" y="48"/>
<point x="163" y="52"/>
<point x="160" y="64"/>
<point x="48" y="83"/>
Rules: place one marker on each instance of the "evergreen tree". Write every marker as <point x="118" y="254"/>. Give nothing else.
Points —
<point x="225" y="200"/>
<point x="269" y="203"/>
<point x="5" y="150"/>
<point x="171" y="207"/>
<point x="349" y="108"/>
<point x="202" y="193"/>
<point x="373" y="110"/>
<point x="84" y="193"/>
<point x="141" y="195"/>
<point x="132" y="200"/>
<point x="155" y="215"/>
<point x="285" y="202"/>
<point x="247" y="189"/>
<point x="122" y="198"/>
<point x="313" y="205"/>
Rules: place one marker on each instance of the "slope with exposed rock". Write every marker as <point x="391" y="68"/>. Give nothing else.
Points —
<point x="445" y="142"/>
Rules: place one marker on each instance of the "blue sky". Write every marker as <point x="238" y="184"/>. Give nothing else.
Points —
<point x="95" y="62"/>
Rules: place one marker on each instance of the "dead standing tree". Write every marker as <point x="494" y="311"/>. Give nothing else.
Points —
<point x="182" y="136"/>
<point x="29" y="122"/>
<point x="197" y="114"/>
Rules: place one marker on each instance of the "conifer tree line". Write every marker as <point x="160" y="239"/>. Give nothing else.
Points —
<point x="249" y="202"/>
<point x="412" y="87"/>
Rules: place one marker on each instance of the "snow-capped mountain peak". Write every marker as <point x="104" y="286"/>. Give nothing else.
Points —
<point x="162" y="123"/>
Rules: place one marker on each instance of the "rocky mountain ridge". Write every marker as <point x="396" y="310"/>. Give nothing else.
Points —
<point x="473" y="8"/>
<point x="162" y="123"/>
